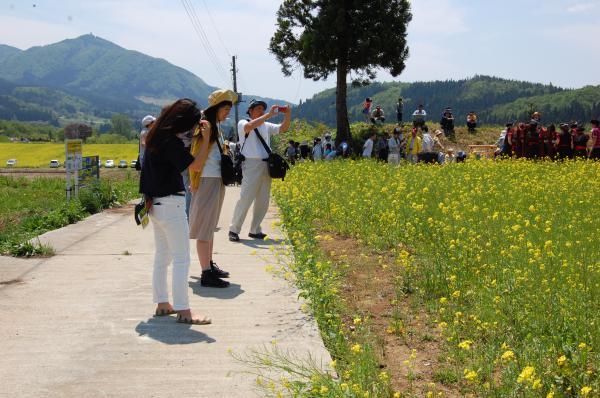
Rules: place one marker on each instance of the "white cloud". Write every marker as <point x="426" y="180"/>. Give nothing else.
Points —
<point x="581" y="7"/>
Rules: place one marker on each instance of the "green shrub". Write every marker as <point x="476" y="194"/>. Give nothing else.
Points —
<point x="98" y="196"/>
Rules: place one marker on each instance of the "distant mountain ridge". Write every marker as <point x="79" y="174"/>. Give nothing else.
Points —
<point x="100" y="76"/>
<point x="495" y="100"/>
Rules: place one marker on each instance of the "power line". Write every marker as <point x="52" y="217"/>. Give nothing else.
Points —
<point x="216" y="28"/>
<point x="206" y="39"/>
<point x="203" y="38"/>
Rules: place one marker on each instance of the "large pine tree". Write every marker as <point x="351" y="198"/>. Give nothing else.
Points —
<point x="342" y="36"/>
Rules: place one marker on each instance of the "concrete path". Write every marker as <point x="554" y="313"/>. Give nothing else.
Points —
<point x="80" y="324"/>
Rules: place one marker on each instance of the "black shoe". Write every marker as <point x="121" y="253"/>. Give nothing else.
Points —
<point x="233" y="237"/>
<point x="210" y="279"/>
<point x="218" y="271"/>
<point x="259" y="236"/>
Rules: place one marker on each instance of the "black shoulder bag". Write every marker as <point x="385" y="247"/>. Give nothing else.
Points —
<point x="229" y="174"/>
<point x="238" y="159"/>
<point x="277" y="165"/>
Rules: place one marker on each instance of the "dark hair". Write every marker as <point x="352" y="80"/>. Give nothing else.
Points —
<point x="176" y="118"/>
<point x="210" y="115"/>
<point x="552" y="128"/>
<point x="425" y="128"/>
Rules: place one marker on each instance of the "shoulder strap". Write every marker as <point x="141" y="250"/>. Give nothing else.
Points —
<point x="219" y="145"/>
<point x="245" y="138"/>
<point x="262" y="141"/>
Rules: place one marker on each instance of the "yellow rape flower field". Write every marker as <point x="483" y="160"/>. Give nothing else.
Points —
<point x="494" y="268"/>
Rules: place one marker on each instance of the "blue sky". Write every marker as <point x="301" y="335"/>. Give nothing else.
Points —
<point x="554" y="41"/>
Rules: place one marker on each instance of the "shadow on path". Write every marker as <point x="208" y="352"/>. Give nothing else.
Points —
<point x="166" y="330"/>
<point x="226" y="293"/>
<point x="259" y="244"/>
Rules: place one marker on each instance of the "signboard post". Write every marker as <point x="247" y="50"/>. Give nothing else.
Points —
<point x="90" y="170"/>
<point x="73" y="150"/>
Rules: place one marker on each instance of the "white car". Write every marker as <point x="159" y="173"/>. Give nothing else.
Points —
<point x="54" y="164"/>
<point x="109" y="164"/>
<point x="11" y="162"/>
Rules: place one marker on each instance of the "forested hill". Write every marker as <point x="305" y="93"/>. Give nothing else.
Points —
<point x="495" y="100"/>
<point x="89" y="77"/>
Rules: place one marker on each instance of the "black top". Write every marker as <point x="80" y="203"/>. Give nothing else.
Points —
<point x="162" y="168"/>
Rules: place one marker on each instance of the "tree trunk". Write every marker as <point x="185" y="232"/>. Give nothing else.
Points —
<point x="341" y="106"/>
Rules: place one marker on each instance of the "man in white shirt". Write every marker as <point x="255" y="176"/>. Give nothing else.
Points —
<point x="419" y="117"/>
<point x="256" y="184"/>
<point x="368" y="146"/>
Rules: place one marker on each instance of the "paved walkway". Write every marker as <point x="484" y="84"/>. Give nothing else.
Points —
<point x="80" y="324"/>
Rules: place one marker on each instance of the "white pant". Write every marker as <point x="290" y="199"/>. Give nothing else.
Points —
<point x="256" y="187"/>
<point x="171" y="238"/>
<point x="393" y="159"/>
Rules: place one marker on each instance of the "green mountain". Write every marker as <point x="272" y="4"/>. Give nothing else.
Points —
<point x="89" y="77"/>
<point x="495" y="100"/>
<point x="92" y="65"/>
<point x="6" y="51"/>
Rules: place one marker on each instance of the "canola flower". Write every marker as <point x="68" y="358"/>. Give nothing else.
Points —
<point x="499" y="251"/>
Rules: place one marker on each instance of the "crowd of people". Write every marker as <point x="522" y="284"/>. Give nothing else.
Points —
<point x="418" y="145"/>
<point x="181" y="154"/>
<point x="534" y="140"/>
<point x="419" y="117"/>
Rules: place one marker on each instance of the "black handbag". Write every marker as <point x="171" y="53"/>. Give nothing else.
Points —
<point x="238" y="159"/>
<point x="276" y="164"/>
<point x="229" y="173"/>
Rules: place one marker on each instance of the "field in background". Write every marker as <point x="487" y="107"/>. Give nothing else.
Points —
<point x="478" y="279"/>
<point x="39" y="155"/>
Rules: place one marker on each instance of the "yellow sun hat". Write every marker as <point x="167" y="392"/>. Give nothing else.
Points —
<point x="218" y="96"/>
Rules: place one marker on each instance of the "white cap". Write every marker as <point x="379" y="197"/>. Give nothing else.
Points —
<point x="147" y="120"/>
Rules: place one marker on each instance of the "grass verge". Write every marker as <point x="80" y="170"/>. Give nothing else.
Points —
<point x="30" y="207"/>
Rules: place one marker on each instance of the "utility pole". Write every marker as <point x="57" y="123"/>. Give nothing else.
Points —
<point x="236" y="105"/>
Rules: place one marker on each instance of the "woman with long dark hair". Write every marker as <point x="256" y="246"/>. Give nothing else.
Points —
<point x="207" y="186"/>
<point x="162" y="185"/>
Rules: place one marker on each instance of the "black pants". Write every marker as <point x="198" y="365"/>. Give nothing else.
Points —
<point x="449" y="132"/>
<point x="472" y="127"/>
<point x="399" y="118"/>
<point x="383" y="155"/>
<point x="580" y="153"/>
<point x="428" y="157"/>
<point x="565" y="153"/>
<point x="595" y="153"/>
<point x="533" y="151"/>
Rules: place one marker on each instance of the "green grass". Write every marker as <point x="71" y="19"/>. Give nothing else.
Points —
<point x="30" y="207"/>
<point x="40" y="154"/>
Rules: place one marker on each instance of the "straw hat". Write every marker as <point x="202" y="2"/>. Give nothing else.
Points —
<point x="218" y="96"/>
